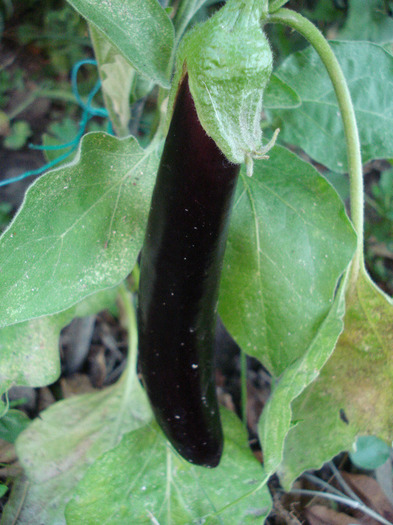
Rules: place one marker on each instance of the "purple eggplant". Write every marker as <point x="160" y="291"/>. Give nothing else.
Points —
<point x="180" y="271"/>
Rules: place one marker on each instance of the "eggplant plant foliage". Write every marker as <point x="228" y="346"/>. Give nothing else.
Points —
<point x="294" y="291"/>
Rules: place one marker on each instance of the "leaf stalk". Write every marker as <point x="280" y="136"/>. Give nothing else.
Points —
<point x="321" y="46"/>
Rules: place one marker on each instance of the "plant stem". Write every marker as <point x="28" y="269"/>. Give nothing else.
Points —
<point x="320" y="44"/>
<point x="323" y="484"/>
<point x="343" y="483"/>
<point x="129" y="375"/>
<point x="345" y="501"/>
<point x="243" y="386"/>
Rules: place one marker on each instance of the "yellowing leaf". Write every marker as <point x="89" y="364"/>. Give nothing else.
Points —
<point x="57" y="448"/>
<point x="354" y="392"/>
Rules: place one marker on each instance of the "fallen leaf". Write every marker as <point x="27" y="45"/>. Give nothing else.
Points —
<point x="321" y="515"/>
<point x="370" y="492"/>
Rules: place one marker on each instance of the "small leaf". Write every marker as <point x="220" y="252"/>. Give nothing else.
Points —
<point x="316" y="126"/>
<point x="29" y="351"/>
<point x="19" y="133"/>
<point x="143" y="481"/>
<point x="370" y="452"/>
<point x="79" y="230"/>
<point x="3" y="490"/>
<point x="140" y="29"/>
<point x="60" y="133"/>
<point x="117" y="77"/>
<point x="57" y="449"/>
<point x="353" y="394"/>
<point x="12" y="424"/>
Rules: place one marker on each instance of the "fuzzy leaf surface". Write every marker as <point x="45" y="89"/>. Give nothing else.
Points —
<point x="140" y="29"/>
<point x="228" y="61"/>
<point x="79" y="229"/>
<point x="354" y="392"/>
<point x="143" y="481"/>
<point x="316" y="126"/>
<point x="29" y="351"/>
<point x="57" y="449"/>
<point x="289" y="242"/>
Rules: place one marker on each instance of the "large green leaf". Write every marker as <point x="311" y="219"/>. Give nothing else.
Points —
<point x="29" y="351"/>
<point x="276" y="419"/>
<point x="57" y="449"/>
<point x="142" y="481"/>
<point x="368" y="21"/>
<point x="140" y="29"/>
<point x="279" y="95"/>
<point x="316" y="126"/>
<point x="354" y="393"/>
<point x="79" y="230"/>
<point x="289" y="242"/>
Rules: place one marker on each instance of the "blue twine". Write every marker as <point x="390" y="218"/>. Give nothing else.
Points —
<point x="87" y="113"/>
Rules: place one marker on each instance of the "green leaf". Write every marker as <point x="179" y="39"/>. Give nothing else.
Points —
<point x="370" y="452"/>
<point x="289" y="242"/>
<point x="57" y="449"/>
<point x="60" y="133"/>
<point x="275" y="422"/>
<point x="29" y="351"/>
<point x="316" y="126"/>
<point x="79" y="230"/>
<point x="140" y="29"/>
<point x="20" y="132"/>
<point x="117" y="78"/>
<point x="143" y="481"/>
<point x="279" y="95"/>
<point x="325" y="12"/>
<point x="367" y="21"/>
<point x="353" y="394"/>
<point x="12" y="424"/>
<point x="3" y="490"/>
<point x="5" y="213"/>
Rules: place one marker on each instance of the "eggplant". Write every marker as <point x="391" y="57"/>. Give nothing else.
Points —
<point x="180" y="269"/>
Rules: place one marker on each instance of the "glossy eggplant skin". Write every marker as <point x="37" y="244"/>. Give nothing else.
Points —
<point x="180" y="272"/>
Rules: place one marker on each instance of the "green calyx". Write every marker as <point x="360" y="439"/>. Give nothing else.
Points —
<point x="229" y="61"/>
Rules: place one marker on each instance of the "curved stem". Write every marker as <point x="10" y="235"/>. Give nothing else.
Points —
<point x="318" y="41"/>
